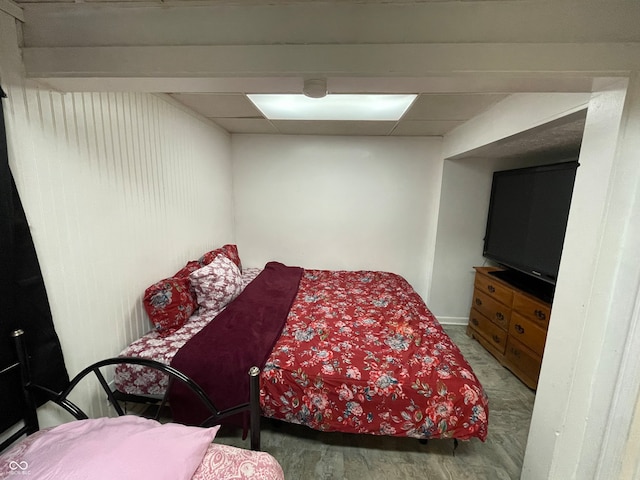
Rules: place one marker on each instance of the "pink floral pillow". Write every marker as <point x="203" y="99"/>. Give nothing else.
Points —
<point x="217" y="283"/>
<point x="169" y="304"/>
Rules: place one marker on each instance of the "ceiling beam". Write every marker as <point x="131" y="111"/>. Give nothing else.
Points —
<point x="12" y="8"/>
<point x="278" y="22"/>
<point x="476" y="83"/>
<point x="382" y="46"/>
<point x="397" y="60"/>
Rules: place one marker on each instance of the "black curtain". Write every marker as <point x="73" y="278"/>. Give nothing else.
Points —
<point x="23" y="300"/>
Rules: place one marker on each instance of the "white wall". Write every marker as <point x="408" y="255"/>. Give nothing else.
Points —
<point x="120" y="190"/>
<point x="338" y="202"/>
<point x="464" y="202"/>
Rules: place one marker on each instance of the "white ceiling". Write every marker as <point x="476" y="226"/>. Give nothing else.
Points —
<point x="430" y="114"/>
<point x="559" y="139"/>
<point x="460" y="57"/>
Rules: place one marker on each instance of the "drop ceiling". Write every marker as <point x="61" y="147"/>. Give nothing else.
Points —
<point x="430" y="114"/>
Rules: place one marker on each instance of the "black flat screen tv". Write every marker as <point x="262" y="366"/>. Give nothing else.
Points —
<point x="527" y="220"/>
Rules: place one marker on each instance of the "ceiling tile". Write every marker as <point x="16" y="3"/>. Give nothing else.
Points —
<point x="313" y="127"/>
<point x="425" y="127"/>
<point x="245" y="125"/>
<point x="450" y="107"/>
<point x="219" y="105"/>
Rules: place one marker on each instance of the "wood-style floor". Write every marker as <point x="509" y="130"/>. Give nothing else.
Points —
<point x="306" y="454"/>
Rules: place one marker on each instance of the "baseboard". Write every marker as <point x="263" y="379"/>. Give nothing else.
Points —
<point x="463" y="321"/>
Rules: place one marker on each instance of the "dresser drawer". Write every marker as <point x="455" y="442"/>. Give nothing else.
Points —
<point x="491" y="308"/>
<point x="527" y="332"/>
<point x="523" y="362"/>
<point x="487" y="284"/>
<point x="533" y="310"/>
<point x="488" y="330"/>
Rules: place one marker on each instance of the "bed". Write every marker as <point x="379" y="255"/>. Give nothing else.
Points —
<point x="357" y="352"/>
<point x="125" y="446"/>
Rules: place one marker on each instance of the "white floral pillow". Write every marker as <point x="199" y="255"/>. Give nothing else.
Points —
<point x="217" y="283"/>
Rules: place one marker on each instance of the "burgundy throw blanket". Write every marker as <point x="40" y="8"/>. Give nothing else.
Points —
<point x="219" y="357"/>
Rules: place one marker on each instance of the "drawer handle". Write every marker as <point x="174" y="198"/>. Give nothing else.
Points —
<point x="478" y="301"/>
<point x="518" y="328"/>
<point x="515" y="352"/>
<point x="499" y="316"/>
<point x="496" y="338"/>
<point x="491" y="289"/>
<point x="540" y="314"/>
<point x="475" y="321"/>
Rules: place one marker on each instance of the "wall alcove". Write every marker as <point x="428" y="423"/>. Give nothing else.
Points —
<point x="464" y="202"/>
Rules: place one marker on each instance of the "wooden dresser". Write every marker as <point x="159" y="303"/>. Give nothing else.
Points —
<point x="510" y="323"/>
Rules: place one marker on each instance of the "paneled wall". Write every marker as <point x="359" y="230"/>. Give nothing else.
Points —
<point x="120" y="190"/>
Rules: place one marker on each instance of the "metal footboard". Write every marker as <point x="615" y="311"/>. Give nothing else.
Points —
<point x="61" y="398"/>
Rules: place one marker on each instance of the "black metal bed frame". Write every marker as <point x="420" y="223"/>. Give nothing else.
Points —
<point x="29" y="389"/>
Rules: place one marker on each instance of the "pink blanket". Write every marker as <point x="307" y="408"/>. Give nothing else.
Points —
<point x="219" y="357"/>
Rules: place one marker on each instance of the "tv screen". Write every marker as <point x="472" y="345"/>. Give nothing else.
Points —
<point x="527" y="218"/>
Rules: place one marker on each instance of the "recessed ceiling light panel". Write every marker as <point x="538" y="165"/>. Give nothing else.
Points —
<point x="333" y="107"/>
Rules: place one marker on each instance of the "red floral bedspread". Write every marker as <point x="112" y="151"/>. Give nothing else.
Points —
<point x="361" y="353"/>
